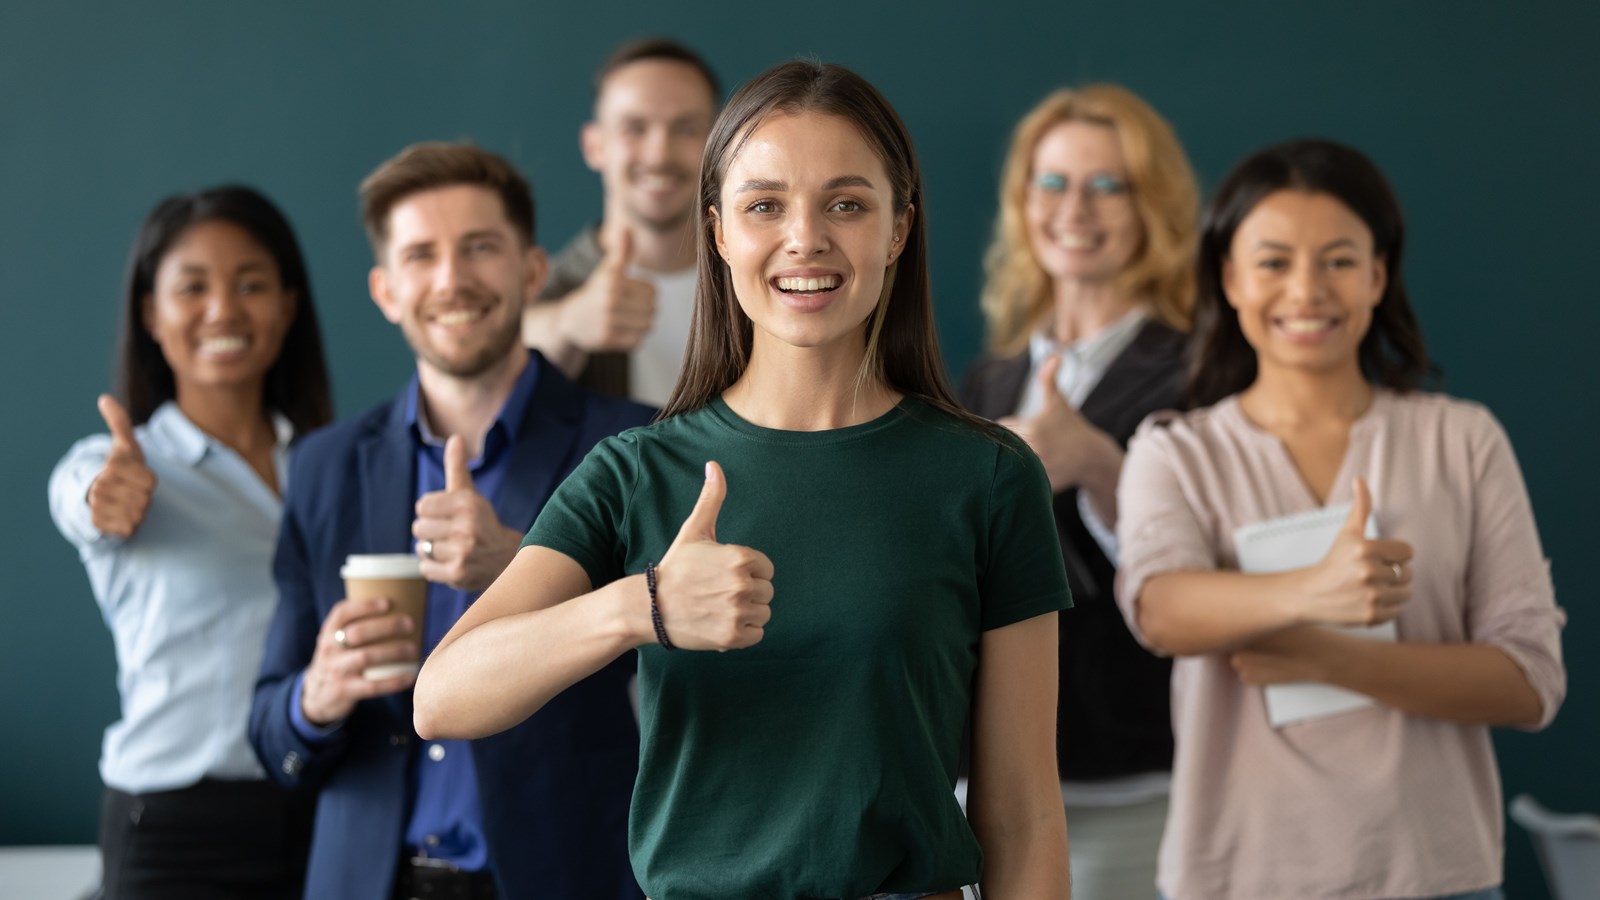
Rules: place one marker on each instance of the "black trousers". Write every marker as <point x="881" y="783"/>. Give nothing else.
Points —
<point x="217" y="840"/>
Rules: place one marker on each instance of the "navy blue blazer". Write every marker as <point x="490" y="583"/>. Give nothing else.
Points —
<point x="555" y="790"/>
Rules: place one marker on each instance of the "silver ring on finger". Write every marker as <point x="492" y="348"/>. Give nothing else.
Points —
<point x="1399" y="574"/>
<point x="426" y="549"/>
<point x="340" y="638"/>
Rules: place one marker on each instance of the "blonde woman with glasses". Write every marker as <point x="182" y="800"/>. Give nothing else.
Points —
<point x="1087" y="301"/>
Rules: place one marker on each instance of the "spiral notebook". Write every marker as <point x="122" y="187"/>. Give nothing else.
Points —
<point x="1294" y="542"/>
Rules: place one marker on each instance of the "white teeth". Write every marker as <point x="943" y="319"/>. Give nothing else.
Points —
<point x="458" y="317"/>
<point x="1305" y="326"/>
<point x="1076" y="241"/>
<point x="825" y="283"/>
<point x="225" y="344"/>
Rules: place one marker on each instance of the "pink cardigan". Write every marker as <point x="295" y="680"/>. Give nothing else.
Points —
<point x="1372" y="803"/>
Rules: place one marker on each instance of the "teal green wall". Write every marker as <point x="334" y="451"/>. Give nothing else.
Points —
<point x="1484" y="117"/>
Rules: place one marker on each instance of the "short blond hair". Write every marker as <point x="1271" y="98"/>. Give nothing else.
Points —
<point x="1016" y="295"/>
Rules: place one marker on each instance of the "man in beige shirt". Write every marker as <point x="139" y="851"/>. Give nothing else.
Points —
<point x="617" y="306"/>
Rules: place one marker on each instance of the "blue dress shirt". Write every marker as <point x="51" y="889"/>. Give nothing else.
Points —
<point x="188" y="599"/>
<point x="446" y="820"/>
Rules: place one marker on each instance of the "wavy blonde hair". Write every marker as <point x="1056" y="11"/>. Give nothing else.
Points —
<point x="1017" y="297"/>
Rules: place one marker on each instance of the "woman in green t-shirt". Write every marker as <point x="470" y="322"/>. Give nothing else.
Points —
<point x="881" y="573"/>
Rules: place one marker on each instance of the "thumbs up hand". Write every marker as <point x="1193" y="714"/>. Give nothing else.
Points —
<point x="713" y="596"/>
<point x="460" y="539"/>
<point x="610" y="312"/>
<point x="1070" y="448"/>
<point x="120" y="495"/>
<point x="1360" y="581"/>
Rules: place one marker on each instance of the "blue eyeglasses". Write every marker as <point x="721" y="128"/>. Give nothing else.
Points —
<point x="1099" y="186"/>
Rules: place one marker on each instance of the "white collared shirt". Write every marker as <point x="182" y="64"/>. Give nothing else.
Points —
<point x="188" y="599"/>
<point x="1083" y="363"/>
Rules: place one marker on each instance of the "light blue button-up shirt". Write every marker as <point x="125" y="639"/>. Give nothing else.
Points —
<point x="188" y="599"/>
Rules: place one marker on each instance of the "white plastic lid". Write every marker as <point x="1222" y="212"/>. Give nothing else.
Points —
<point x="381" y="565"/>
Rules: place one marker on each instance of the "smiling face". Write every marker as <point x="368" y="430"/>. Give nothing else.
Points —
<point x="455" y="276"/>
<point x="808" y="229"/>
<point x="1302" y="276"/>
<point x="650" y="126"/>
<point x="218" y="310"/>
<point x="1081" y="220"/>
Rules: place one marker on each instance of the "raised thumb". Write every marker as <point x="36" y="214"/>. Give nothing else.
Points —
<point x="1047" y="381"/>
<point x="457" y="474"/>
<point x="702" y="522"/>
<point x="619" y="249"/>
<point x="122" y="440"/>
<point x="1360" y="508"/>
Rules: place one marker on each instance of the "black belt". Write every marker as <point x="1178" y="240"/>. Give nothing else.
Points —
<point x="432" y="879"/>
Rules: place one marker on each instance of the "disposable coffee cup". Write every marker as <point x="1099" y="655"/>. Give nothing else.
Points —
<point x="397" y="576"/>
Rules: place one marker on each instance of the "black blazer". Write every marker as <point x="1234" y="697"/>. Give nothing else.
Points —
<point x="1115" y="710"/>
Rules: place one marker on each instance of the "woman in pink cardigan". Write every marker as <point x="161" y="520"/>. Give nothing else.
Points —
<point x="1307" y="361"/>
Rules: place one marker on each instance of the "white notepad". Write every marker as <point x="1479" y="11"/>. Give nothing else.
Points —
<point x="1294" y="542"/>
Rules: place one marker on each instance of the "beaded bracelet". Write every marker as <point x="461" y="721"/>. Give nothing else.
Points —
<point x="655" y="608"/>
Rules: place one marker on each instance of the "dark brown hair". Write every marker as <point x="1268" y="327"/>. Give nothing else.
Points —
<point x="436" y="164"/>
<point x="1392" y="352"/>
<point x="902" y="345"/>
<point x="657" y="48"/>
<point x="296" y="385"/>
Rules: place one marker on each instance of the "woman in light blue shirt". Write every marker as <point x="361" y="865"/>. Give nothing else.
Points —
<point x="175" y="515"/>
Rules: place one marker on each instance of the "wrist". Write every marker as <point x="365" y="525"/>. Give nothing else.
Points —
<point x="1339" y="656"/>
<point x="1293" y="593"/>
<point x="628" y="612"/>
<point x="1100" y="479"/>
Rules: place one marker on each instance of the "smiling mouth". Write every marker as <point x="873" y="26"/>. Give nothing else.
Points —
<point x="459" y="317"/>
<point x="1077" y="241"/>
<point x="223" y="344"/>
<point x="810" y="286"/>
<point x="1307" y="325"/>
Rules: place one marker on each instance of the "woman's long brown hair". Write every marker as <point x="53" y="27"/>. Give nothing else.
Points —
<point x="902" y="344"/>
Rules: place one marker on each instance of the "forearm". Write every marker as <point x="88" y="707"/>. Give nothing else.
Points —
<point x="1100" y="482"/>
<point x="541" y="330"/>
<point x="501" y="671"/>
<point x="1198" y="612"/>
<point x="1014" y="799"/>
<point x="1025" y="854"/>
<point x="1475" y="684"/>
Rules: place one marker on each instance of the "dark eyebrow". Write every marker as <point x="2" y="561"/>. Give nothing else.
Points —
<point x="198" y="269"/>
<point x="480" y="235"/>
<point x="1274" y="245"/>
<point x="767" y="184"/>
<point x="847" y="181"/>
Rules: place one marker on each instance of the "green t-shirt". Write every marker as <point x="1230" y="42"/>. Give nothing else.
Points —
<point x="819" y="763"/>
